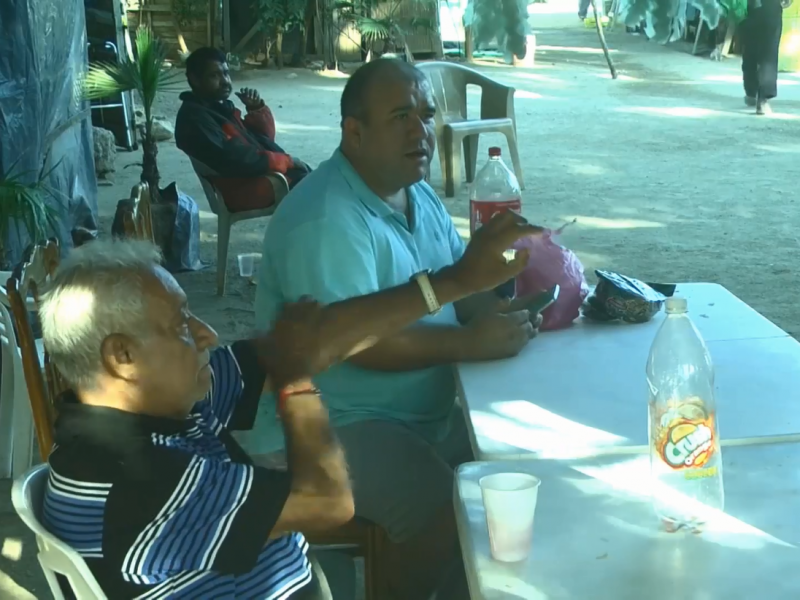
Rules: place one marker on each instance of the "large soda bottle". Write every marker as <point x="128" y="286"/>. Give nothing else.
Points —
<point x="685" y="456"/>
<point x="494" y="190"/>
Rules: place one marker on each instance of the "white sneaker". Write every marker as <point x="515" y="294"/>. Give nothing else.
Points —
<point x="763" y="108"/>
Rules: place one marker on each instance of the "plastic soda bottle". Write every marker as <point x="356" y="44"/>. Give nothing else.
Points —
<point x="685" y="456"/>
<point x="494" y="190"/>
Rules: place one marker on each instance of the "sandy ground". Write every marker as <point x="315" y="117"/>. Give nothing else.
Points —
<point x="670" y="178"/>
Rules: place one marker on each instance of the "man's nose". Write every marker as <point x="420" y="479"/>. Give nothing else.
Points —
<point x="204" y="335"/>
<point x="417" y="128"/>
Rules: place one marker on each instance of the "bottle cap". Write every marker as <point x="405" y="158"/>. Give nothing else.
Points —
<point x="495" y="151"/>
<point x="677" y="305"/>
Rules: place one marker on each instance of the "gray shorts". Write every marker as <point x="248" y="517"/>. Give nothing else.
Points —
<point x="401" y="481"/>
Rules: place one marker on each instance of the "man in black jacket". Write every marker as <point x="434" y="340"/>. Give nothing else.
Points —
<point x="210" y="129"/>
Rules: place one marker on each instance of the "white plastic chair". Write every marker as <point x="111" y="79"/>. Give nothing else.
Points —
<point x="55" y="556"/>
<point x="226" y="219"/>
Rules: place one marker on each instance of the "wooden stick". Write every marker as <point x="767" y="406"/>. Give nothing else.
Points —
<point x="603" y="43"/>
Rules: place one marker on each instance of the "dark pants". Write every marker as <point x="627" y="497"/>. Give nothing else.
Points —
<point x="583" y="8"/>
<point x="761" y="32"/>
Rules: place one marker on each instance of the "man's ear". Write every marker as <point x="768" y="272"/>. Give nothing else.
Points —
<point x="119" y="355"/>
<point x="351" y="131"/>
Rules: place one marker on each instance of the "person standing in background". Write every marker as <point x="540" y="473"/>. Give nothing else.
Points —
<point x="761" y="34"/>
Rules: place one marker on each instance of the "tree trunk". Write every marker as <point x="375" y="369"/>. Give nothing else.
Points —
<point x="279" y="48"/>
<point x="602" y="36"/>
<point x="469" y="44"/>
<point x="150" y="173"/>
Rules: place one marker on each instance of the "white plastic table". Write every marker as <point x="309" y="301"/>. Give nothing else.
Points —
<point x="582" y="391"/>
<point x="596" y="536"/>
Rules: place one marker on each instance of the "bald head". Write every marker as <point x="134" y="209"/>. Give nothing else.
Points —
<point x="357" y="96"/>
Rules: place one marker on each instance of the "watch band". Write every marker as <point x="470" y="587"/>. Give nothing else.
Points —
<point x="423" y="281"/>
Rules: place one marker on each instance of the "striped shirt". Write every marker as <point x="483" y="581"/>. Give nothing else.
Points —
<point x="164" y="508"/>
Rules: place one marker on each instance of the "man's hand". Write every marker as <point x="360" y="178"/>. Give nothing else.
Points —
<point x="299" y="164"/>
<point x="522" y="303"/>
<point x="297" y="348"/>
<point x="484" y="266"/>
<point x="294" y="351"/>
<point x="496" y="336"/>
<point x="250" y="98"/>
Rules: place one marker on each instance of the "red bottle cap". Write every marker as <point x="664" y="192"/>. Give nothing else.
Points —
<point x="495" y="151"/>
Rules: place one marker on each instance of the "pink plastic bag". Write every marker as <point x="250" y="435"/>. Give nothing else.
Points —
<point x="551" y="264"/>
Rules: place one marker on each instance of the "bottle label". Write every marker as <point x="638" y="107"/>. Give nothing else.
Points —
<point x="684" y="434"/>
<point x="481" y="211"/>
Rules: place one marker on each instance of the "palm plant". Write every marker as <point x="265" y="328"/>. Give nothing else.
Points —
<point x="24" y="205"/>
<point x="380" y="20"/>
<point x="277" y="17"/>
<point x="148" y="74"/>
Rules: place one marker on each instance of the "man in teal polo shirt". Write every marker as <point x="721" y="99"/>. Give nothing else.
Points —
<point x="363" y="221"/>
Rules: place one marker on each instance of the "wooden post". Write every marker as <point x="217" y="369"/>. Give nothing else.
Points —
<point x="226" y="24"/>
<point x="468" y="43"/>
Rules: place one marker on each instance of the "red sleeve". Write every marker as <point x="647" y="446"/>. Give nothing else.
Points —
<point x="278" y="162"/>
<point x="261" y="121"/>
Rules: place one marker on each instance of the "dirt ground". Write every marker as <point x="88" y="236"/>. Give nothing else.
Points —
<point x="669" y="176"/>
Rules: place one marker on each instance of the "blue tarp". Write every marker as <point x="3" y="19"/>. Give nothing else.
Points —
<point x="43" y="120"/>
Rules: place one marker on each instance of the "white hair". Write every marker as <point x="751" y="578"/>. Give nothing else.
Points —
<point x="96" y="292"/>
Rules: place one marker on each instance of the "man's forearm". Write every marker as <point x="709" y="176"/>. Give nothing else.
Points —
<point x="384" y="313"/>
<point x="313" y="454"/>
<point x="417" y="347"/>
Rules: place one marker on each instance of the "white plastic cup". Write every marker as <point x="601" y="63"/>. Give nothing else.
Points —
<point x="510" y="503"/>
<point x="247" y="264"/>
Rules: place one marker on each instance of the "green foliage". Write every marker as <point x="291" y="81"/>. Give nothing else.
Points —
<point x="188" y="11"/>
<point x="148" y="74"/>
<point x="665" y="20"/>
<point x="380" y="20"/>
<point x="24" y="202"/>
<point x="280" y="15"/>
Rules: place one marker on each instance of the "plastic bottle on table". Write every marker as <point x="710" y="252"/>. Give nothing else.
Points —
<point x="494" y="190"/>
<point x="685" y="456"/>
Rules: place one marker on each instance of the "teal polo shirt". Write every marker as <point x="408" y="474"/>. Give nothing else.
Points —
<point x="332" y="238"/>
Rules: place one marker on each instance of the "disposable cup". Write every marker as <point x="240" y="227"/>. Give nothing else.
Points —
<point x="510" y="503"/>
<point x="247" y="264"/>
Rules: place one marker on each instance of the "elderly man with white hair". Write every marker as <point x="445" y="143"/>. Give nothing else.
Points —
<point x="147" y="483"/>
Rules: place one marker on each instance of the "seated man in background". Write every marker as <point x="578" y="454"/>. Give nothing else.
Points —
<point x="146" y="482"/>
<point x="210" y="129"/>
<point x="364" y="221"/>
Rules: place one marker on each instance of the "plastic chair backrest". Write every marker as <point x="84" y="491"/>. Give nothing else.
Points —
<point x="55" y="556"/>
<point x="213" y="196"/>
<point x="449" y="82"/>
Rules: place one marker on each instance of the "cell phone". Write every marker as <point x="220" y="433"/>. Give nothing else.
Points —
<point x="545" y="299"/>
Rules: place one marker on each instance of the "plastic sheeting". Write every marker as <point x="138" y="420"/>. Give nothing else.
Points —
<point x="43" y="121"/>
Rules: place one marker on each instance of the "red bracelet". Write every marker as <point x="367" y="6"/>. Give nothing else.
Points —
<point x="298" y="389"/>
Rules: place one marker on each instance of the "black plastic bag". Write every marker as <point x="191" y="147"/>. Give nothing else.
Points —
<point x="619" y="297"/>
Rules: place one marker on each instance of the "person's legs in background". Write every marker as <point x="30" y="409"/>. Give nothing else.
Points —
<point x="403" y="484"/>
<point x="583" y="8"/>
<point x="750" y="58"/>
<point x="771" y="27"/>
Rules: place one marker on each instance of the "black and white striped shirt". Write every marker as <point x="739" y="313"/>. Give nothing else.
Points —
<point x="161" y="508"/>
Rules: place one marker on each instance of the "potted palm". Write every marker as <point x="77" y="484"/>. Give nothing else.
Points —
<point x="25" y="209"/>
<point x="148" y="73"/>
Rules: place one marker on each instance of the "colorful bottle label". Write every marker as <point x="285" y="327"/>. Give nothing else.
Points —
<point x="684" y="436"/>
<point x="480" y="211"/>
